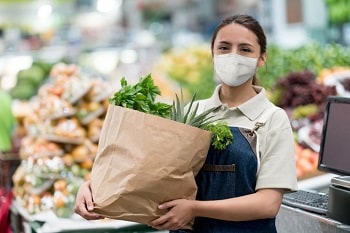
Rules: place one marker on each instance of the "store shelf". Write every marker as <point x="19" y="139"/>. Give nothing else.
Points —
<point x="48" y="222"/>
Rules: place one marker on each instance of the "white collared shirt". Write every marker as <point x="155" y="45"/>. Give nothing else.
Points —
<point x="276" y="141"/>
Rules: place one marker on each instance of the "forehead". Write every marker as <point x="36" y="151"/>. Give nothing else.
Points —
<point x="236" y="33"/>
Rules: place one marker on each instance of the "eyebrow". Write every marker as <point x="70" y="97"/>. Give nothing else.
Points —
<point x="246" y="44"/>
<point x="241" y="44"/>
<point x="224" y="42"/>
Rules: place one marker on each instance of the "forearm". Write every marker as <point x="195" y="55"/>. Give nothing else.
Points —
<point x="260" y="205"/>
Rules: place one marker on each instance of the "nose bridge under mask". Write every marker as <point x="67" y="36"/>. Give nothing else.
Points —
<point x="234" y="69"/>
<point x="246" y="60"/>
<point x="234" y="58"/>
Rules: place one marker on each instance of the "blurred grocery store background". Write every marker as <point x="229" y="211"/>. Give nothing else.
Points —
<point x="107" y="35"/>
<point x="60" y="60"/>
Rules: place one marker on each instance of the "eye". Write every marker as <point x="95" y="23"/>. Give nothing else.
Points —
<point x="222" y="47"/>
<point x="246" y="50"/>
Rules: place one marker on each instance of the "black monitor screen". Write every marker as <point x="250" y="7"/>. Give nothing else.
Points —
<point x="335" y="141"/>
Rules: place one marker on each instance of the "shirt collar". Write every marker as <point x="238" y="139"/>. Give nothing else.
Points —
<point x="251" y="108"/>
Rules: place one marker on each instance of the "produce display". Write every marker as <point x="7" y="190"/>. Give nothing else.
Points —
<point x="314" y="57"/>
<point x="191" y="67"/>
<point x="304" y="96"/>
<point x="67" y="113"/>
<point x="301" y="88"/>
<point x="61" y="142"/>
<point x="30" y="79"/>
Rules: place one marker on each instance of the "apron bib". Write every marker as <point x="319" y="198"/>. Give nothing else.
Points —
<point x="231" y="173"/>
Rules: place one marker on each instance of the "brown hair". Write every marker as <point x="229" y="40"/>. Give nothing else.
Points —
<point x="247" y="22"/>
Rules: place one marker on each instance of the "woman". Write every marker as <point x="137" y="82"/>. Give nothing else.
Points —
<point x="240" y="189"/>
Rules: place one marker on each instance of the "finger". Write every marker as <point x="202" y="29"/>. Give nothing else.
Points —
<point x="167" y="226"/>
<point x="89" y="202"/>
<point x="88" y="199"/>
<point x="93" y="216"/>
<point x="82" y="211"/>
<point x="167" y="205"/>
<point x="159" y="221"/>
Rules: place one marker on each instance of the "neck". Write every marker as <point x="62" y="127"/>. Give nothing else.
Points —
<point x="235" y="96"/>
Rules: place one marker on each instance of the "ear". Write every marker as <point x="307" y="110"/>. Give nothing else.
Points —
<point x="262" y="59"/>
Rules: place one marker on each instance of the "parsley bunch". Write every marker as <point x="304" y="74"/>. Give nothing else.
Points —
<point x="140" y="97"/>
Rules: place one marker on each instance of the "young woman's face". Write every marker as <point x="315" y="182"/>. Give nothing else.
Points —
<point x="235" y="38"/>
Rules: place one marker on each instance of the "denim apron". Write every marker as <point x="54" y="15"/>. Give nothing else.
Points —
<point x="230" y="173"/>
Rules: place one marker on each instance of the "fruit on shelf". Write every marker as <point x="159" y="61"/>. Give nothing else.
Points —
<point x="329" y="73"/>
<point x="59" y="147"/>
<point x="306" y="161"/>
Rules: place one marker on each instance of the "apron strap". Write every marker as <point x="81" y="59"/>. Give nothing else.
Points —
<point x="263" y="119"/>
<point x="260" y="123"/>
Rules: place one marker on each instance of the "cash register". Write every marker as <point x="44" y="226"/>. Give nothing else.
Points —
<point x="334" y="156"/>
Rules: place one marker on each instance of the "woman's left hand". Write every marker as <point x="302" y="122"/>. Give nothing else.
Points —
<point x="180" y="213"/>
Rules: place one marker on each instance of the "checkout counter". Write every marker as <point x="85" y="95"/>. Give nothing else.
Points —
<point x="292" y="220"/>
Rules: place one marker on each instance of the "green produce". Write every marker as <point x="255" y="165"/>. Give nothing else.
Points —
<point x="338" y="11"/>
<point x="222" y="136"/>
<point x="191" y="67"/>
<point x="44" y="66"/>
<point x="312" y="56"/>
<point x="33" y="74"/>
<point x="142" y="95"/>
<point x="304" y="111"/>
<point x="22" y="92"/>
<point x="30" y="79"/>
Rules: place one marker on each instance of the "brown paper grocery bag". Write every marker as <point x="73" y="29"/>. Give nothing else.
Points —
<point x="142" y="161"/>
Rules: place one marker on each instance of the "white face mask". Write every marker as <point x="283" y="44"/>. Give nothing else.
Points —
<point x="233" y="69"/>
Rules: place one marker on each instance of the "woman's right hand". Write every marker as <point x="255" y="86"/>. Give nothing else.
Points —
<point x="84" y="203"/>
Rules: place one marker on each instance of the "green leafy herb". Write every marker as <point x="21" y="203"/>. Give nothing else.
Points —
<point x="222" y="136"/>
<point x="140" y="97"/>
